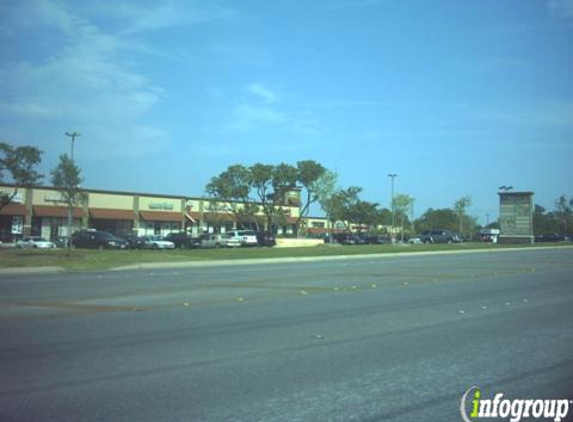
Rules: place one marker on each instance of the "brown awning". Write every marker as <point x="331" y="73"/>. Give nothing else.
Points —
<point x="111" y="214"/>
<point x="160" y="216"/>
<point x="13" y="209"/>
<point x="55" y="211"/>
<point x="194" y="217"/>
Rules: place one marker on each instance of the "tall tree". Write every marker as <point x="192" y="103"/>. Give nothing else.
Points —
<point x="444" y="218"/>
<point x="233" y="188"/>
<point x="563" y="213"/>
<point x="309" y="174"/>
<point x="325" y="188"/>
<point x="20" y="164"/>
<point x="460" y="207"/>
<point x="402" y="204"/>
<point x="67" y="179"/>
<point x="270" y="184"/>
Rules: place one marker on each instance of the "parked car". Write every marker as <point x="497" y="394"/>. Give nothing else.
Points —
<point x="344" y="238"/>
<point x="266" y="239"/>
<point x="134" y="242"/>
<point x="156" y="242"/>
<point x="183" y="240"/>
<point x="60" y="241"/>
<point x="415" y="240"/>
<point x="439" y="236"/>
<point x="220" y="241"/>
<point x="245" y="237"/>
<point x="550" y="238"/>
<point x="378" y="240"/>
<point x="97" y="239"/>
<point x="34" y="242"/>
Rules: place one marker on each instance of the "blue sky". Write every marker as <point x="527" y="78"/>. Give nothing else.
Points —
<point x="456" y="97"/>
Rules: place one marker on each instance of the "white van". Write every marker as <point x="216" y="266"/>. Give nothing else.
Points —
<point x="246" y="237"/>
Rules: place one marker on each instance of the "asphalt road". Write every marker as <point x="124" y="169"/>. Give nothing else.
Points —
<point x="385" y="339"/>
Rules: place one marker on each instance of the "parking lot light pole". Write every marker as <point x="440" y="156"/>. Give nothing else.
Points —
<point x="73" y="136"/>
<point x="392" y="176"/>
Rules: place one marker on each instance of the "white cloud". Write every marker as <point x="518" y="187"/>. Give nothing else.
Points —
<point x="85" y="82"/>
<point x="262" y="92"/>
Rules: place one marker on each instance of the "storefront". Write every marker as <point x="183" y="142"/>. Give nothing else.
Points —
<point x="12" y="222"/>
<point x="118" y="222"/>
<point x="51" y="221"/>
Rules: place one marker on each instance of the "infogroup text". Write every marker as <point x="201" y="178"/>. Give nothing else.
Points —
<point x="515" y="409"/>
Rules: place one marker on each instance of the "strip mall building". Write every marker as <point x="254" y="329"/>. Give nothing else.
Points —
<point x="40" y="211"/>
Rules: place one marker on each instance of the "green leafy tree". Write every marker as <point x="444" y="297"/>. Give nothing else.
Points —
<point x="233" y="187"/>
<point x="326" y="187"/>
<point x="67" y="179"/>
<point x="20" y="164"/>
<point x="444" y="218"/>
<point x="460" y="207"/>
<point x="271" y="183"/>
<point x="402" y="204"/>
<point x="563" y="213"/>
<point x="361" y="213"/>
<point x="309" y="177"/>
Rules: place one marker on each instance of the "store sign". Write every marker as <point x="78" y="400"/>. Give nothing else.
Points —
<point x="165" y="206"/>
<point x="58" y="200"/>
<point x="17" y="224"/>
<point x="16" y="199"/>
<point x="218" y="208"/>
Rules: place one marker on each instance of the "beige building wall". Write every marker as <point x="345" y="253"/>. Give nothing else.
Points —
<point x="47" y="197"/>
<point x="111" y="201"/>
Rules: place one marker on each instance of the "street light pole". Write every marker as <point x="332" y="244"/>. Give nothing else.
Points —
<point x="392" y="176"/>
<point x="73" y="136"/>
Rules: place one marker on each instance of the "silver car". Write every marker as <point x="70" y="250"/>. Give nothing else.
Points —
<point x="156" y="242"/>
<point x="220" y="241"/>
<point x="36" y="242"/>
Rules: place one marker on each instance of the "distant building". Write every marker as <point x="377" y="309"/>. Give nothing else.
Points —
<point x="41" y="211"/>
<point x="516" y="217"/>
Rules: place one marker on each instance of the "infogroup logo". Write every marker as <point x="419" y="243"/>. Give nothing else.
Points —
<point x="515" y="409"/>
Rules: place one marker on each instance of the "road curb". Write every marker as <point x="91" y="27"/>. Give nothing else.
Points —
<point x="31" y="270"/>
<point x="266" y="261"/>
<point x="286" y="260"/>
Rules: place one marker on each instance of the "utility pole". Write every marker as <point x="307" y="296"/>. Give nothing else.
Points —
<point x="73" y="136"/>
<point x="392" y="176"/>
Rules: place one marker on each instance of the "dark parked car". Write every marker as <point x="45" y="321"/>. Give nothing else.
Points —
<point x="439" y="236"/>
<point x="134" y="242"/>
<point x="266" y="239"/>
<point x="378" y="240"/>
<point x="97" y="240"/>
<point x="183" y="240"/>
<point x="550" y="238"/>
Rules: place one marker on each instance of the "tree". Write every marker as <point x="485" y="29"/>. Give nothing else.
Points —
<point x="270" y="184"/>
<point x="20" y="163"/>
<point x="362" y="213"/>
<point x="325" y="188"/>
<point x="460" y="207"/>
<point x="402" y="203"/>
<point x="309" y="175"/>
<point x="67" y="179"/>
<point x="444" y="218"/>
<point x="233" y="187"/>
<point x="563" y="213"/>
